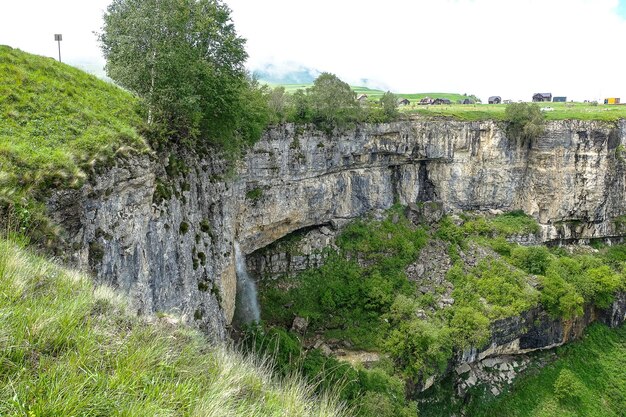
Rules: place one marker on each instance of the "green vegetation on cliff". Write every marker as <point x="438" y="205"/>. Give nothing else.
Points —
<point x="69" y="348"/>
<point x="365" y="296"/>
<point x="56" y="124"/>
<point x="588" y="379"/>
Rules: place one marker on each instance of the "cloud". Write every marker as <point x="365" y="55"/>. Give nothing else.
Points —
<point x="287" y="72"/>
<point x="31" y="24"/>
<point x="511" y="48"/>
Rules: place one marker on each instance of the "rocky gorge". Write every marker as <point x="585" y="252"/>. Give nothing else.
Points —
<point x="163" y="228"/>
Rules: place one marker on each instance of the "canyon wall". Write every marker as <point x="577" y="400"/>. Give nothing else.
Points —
<point x="162" y="228"/>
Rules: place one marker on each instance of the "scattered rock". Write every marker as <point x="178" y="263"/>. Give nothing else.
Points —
<point x="169" y="320"/>
<point x="456" y="220"/>
<point x="425" y="289"/>
<point x="428" y="212"/>
<point x="326" y="231"/>
<point x="472" y="380"/>
<point x="491" y="362"/>
<point x="299" y="325"/>
<point x="338" y="224"/>
<point x="429" y="383"/>
<point x="325" y="349"/>
<point x="460" y="370"/>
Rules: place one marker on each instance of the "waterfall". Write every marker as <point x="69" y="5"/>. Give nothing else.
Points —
<point x="247" y="304"/>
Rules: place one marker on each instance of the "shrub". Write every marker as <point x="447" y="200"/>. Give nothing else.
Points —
<point x="560" y="297"/>
<point x="532" y="259"/>
<point x="254" y="194"/>
<point x="470" y="327"/>
<point x="567" y="386"/>
<point x="605" y="283"/>
<point x="419" y="348"/>
<point x="525" y="121"/>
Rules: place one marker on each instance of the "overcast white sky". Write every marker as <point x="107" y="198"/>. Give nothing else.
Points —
<point x="511" y="48"/>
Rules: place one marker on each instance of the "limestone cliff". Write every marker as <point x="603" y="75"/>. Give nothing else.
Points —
<point x="166" y="236"/>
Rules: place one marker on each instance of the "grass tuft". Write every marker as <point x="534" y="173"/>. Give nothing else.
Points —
<point x="67" y="348"/>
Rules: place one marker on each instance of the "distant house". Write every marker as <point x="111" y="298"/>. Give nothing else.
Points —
<point x="467" y="101"/>
<point x="507" y="101"/>
<point x="426" y="101"/>
<point x="495" y="100"/>
<point x="541" y="97"/>
<point x="403" y="102"/>
<point x="442" y="101"/>
<point x="361" y="98"/>
<point x="559" y="99"/>
<point x="612" y="100"/>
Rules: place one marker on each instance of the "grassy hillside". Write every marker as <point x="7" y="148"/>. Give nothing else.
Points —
<point x="56" y="122"/>
<point x="69" y="349"/>
<point x="560" y="111"/>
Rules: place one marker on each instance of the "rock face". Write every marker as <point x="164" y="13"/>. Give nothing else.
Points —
<point x="167" y="238"/>
<point x="295" y="253"/>
<point x="536" y="330"/>
<point x="498" y="363"/>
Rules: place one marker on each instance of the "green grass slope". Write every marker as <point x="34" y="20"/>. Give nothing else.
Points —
<point x="587" y="380"/>
<point x="560" y="111"/>
<point x="69" y="349"/>
<point x="55" y="123"/>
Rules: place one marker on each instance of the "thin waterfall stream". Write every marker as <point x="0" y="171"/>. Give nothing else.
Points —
<point x="247" y="303"/>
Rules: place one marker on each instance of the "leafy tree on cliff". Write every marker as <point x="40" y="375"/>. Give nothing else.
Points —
<point x="526" y="121"/>
<point x="332" y="101"/>
<point x="389" y="104"/>
<point x="184" y="58"/>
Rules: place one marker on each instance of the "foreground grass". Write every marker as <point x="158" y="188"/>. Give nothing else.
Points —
<point x="56" y="122"/>
<point x="67" y="348"/>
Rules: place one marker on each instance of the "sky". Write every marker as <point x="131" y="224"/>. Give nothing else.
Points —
<point x="510" y="48"/>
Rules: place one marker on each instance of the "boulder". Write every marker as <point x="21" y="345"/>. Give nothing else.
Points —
<point x="299" y="325"/>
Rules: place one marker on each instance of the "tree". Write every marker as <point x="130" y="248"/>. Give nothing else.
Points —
<point x="389" y="103"/>
<point x="278" y="102"/>
<point x="526" y="121"/>
<point x="184" y="58"/>
<point x="559" y="296"/>
<point x="332" y="101"/>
